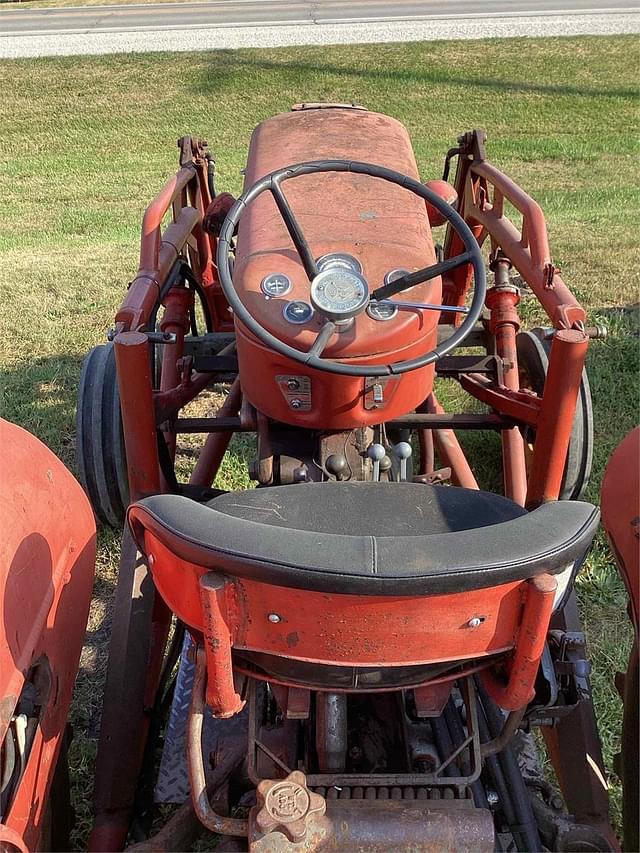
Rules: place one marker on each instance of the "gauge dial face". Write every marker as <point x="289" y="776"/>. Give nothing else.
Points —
<point x="394" y="275"/>
<point x="297" y="312"/>
<point x="338" y="259"/>
<point x="381" y="311"/>
<point x="339" y="293"/>
<point x="276" y="284"/>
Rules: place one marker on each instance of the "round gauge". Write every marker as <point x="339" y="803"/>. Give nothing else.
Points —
<point x="339" y="293"/>
<point x="394" y="275"/>
<point x="381" y="311"/>
<point x="297" y="312"/>
<point x="338" y="259"/>
<point x="276" y="284"/>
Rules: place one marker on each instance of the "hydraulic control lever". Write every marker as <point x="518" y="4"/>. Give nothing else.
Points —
<point x="403" y="452"/>
<point x="376" y="453"/>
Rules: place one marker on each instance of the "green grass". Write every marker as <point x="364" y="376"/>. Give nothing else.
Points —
<point x="87" y="142"/>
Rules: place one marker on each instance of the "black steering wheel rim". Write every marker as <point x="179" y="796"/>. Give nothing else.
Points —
<point x="272" y="182"/>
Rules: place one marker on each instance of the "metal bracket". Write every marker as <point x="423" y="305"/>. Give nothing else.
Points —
<point x="296" y="391"/>
<point x="377" y="390"/>
<point x="453" y="366"/>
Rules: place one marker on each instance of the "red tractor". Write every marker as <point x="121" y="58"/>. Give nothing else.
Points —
<point x="356" y="654"/>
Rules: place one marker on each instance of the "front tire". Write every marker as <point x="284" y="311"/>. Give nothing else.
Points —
<point x="533" y="363"/>
<point x="100" y="449"/>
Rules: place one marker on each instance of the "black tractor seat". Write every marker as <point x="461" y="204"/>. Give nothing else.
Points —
<point x="370" y="538"/>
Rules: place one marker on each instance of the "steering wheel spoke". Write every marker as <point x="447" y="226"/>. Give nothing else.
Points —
<point x="322" y="339"/>
<point x="295" y="232"/>
<point x="419" y="276"/>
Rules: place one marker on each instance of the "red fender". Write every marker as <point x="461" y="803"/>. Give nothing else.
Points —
<point x="620" y="500"/>
<point x="47" y="559"/>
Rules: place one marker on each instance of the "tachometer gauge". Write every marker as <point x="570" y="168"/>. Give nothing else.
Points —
<point x="335" y="260"/>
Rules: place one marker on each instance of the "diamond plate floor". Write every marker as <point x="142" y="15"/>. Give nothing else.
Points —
<point x="172" y="785"/>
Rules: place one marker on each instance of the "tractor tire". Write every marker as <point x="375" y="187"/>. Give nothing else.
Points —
<point x="533" y="362"/>
<point x="59" y="815"/>
<point x="100" y="450"/>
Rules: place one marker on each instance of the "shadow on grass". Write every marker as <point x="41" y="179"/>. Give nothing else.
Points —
<point x="226" y="63"/>
<point x="40" y="396"/>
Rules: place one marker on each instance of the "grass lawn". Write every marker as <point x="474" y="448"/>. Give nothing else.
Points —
<point x="87" y="142"/>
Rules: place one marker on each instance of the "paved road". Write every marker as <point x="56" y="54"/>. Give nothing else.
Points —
<point x="240" y="23"/>
<point x="226" y="13"/>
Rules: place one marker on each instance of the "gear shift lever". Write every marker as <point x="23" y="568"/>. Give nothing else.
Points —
<point x="403" y="452"/>
<point x="376" y="453"/>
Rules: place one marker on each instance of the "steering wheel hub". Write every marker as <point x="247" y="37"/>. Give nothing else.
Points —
<point x="339" y="293"/>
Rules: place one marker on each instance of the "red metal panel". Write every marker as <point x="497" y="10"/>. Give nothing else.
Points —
<point x="47" y="554"/>
<point x="337" y="402"/>
<point x="621" y="514"/>
<point x="348" y="630"/>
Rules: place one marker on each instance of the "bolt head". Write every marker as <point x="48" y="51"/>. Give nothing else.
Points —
<point x="273" y="617"/>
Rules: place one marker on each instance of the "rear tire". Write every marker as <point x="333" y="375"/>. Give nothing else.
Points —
<point x="59" y="816"/>
<point x="100" y="450"/>
<point x="533" y="363"/>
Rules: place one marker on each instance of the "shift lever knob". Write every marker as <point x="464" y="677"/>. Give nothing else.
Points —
<point x="403" y="451"/>
<point x="376" y="453"/>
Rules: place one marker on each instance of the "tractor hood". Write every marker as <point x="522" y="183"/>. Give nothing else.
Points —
<point x="382" y="225"/>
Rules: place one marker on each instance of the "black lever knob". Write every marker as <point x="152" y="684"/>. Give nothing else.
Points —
<point x="336" y="465"/>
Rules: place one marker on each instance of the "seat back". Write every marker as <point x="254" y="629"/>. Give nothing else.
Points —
<point x="459" y="632"/>
<point x="423" y="597"/>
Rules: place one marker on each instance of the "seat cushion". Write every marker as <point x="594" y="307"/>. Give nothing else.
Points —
<point x="370" y="538"/>
<point x="369" y="509"/>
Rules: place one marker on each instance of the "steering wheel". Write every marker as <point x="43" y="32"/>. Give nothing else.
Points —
<point x="350" y="289"/>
